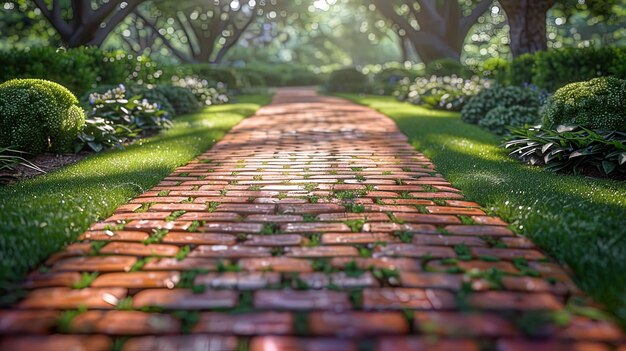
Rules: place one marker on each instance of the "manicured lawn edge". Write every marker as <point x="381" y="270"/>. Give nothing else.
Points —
<point x="579" y="221"/>
<point x="41" y="215"/>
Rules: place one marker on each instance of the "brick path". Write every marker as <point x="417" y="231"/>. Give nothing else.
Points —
<point x="313" y="225"/>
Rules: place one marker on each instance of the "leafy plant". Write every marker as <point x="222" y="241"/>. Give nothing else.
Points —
<point x="501" y="106"/>
<point x="134" y="112"/>
<point x="569" y="148"/>
<point x="11" y="158"/>
<point x="100" y="133"/>
<point x="599" y="103"/>
<point x="37" y="115"/>
<point x="444" y="93"/>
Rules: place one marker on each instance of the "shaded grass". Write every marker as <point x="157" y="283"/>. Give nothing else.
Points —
<point x="579" y="221"/>
<point x="41" y="215"/>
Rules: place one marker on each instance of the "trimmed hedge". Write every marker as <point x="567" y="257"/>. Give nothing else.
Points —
<point x="553" y="69"/>
<point x="502" y="98"/>
<point x="38" y="116"/>
<point x="599" y="103"/>
<point x="347" y="80"/>
<point x="78" y="69"/>
<point x="447" y="67"/>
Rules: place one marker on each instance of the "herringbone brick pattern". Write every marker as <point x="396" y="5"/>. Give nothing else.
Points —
<point x="313" y="225"/>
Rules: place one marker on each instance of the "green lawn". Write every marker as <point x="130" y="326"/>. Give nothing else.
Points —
<point x="40" y="216"/>
<point x="577" y="220"/>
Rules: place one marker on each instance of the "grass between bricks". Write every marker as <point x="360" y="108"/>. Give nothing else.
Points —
<point x="578" y="220"/>
<point x="41" y="215"/>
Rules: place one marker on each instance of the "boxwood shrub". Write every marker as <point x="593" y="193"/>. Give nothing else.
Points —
<point x="502" y="106"/>
<point x="79" y="69"/>
<point x="38" y="116"/>
<point x="599" y="103"/>
<point x="347" y="80"/>
<point x="447" y="67"/>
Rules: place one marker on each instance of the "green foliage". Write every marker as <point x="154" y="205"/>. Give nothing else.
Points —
<point x="99" y="134"/>
<point x="520" y="70"/>
<point x="553" y="69"/>
<point x="444" y="93"/>
<point x="208" y="72"/>
<point x="78" y="69"/>
<point x="38" y="116"/>
<point x="182" y="99"/>
<point x="386" y="80"/>
<point x="205" y="92"/>
<point x="135" y="112"/>
<point x="570" y="149"/>
<point x="347" y="80"/>
<point x="556" y="68"/>
<point x="502" y="106"/>
<point x="596" y="104"/>
<point x="447" y="67"/>
<point x="498" y="118"/>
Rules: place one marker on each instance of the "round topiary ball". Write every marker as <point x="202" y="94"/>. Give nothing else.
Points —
<point x="38" y="115"/>
<point x="599" y="103"/>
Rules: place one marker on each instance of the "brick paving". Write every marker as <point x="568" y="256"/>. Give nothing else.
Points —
<point x="313" y="225"/>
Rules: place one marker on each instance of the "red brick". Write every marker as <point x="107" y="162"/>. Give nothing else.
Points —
<point x="226" y="227"/>
<point x="356" y="238"/>
<point x="447" y="240"/>
<point x="138" y="249"/>
<point x="467" y="211"/>
<point x="276" y="343"/>
<point x="184" y="238"/>
<point x="314" y="227"/>
<point x="402" y="264"/>
<point x="180" y="299"/>
<point x="456" y="324"/>
<point x="256" y="323"/>
<point x="357" y="324"/>
<point x="410" y="250"/>
<point x="548" y="345"/>
<point x="223" y="251"/>
<point x="189" y="263"/>
<point x="504" y="300"/>
<point x="321" y="251"/>
<point x="340" y="217"/>
<point x="431" y="280"/>
<point x="14" y="322"/>
<point x="118" y="235"/>
<point x="436" y="195"/>
<point x="309" y="208"/>
<point x="238" y="280"/>
<point x="210" y="216"/>
<point x="273" y="218"/>
<point x="138" y="280"/>
<point x="411" y="298"/>
<point x="56" y="343"/>
<point x="275" y="240"/>
<point x="51" y="279"/>
<point x="509" y="254"/>
<point x="425" y="344"/>
<point x="66" y="298"/>
<point x="319" y="280"/>
<point x="427" y="218"/>
<point x="276" y="264"/>
<point x="301" y="300"/>
<point x="96" y="264"/>
<point x="478" y="230"/>
<point x="486" y="220"/>
<point x="124" y="323"/>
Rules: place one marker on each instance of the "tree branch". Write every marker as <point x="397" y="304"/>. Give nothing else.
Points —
<point x="468" y="21"/>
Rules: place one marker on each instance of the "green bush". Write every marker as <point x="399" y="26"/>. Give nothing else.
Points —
<point x="100" y="134"/>
<point x="205" y="94"/>
<point x="78" y="69"/>
<point x="135" y="112"/>
<point x="386" y="80"/>
<point x="447" y="67"/>
<point x="499" y="118"/>
<point x="144" y="92"/>
<point x="479" y="106"/>
<point x="570" y="149"/>
<point x="443" y="93"/>
<point x="347" y="80"/>
<point x="38" y="116"/>
<point x="182" y="99"/>
<point x="520" y="70"/>
<point x="556" y="68"/>
<point x="553" y="69"/>
<point x="596" y="104"/>
<point x="211" y="73"/>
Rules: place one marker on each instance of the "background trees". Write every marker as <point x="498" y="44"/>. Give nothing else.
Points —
<point x="317" y="32"/>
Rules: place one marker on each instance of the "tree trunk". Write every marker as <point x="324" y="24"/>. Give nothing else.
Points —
<point x="527" y="23"/>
